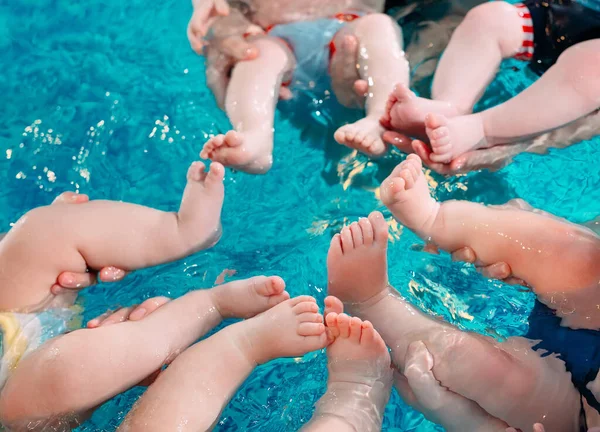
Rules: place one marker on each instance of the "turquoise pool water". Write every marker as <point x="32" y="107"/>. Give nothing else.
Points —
<point x="108" y="99"/>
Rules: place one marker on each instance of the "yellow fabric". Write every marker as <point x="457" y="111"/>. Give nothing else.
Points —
<point x="14" y="341"/>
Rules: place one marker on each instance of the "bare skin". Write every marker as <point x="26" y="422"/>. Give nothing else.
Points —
<point x="482" y="158"/>
<point x="82" y="369"/>
<point x="490" y="33"/>
<point x="360" y="375"/>
<point x="351" y="91"/>
<point x="67" y="281"/>
<point x="132" y="313"/>
<point x="359" y="379"/>
<point x="139" y="237"/>
<point x="290" y="329"/>
<point x="558" y="259"/>
<point x="251" y="107"/>
<point x="527" y="388"/>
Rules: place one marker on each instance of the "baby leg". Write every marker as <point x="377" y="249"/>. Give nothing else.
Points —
<point x="568" y="91"/>
<point x="100" y="234"/>
<point x="250" y="104"/>
<point x="78" y="371"/>
<point x="550" y="254"/>
<point x="360" y="377"/>
<point x="489" y="33"/>
<point x="381" y="65"/>
<point x="439" y="404"/>
<point x="192" y="392"/>
<point x="526" y="387"/>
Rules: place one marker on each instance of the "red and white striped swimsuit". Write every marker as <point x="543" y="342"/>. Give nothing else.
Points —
<point x="526" y="50"/>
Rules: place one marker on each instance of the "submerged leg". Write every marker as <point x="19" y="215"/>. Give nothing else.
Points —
<point x="250" y="104"/>
<point x="382" y="66"/>
<point x="80" y="370"/>
<point x="526" y="387"/>
<point x="208" y="374"/>
<point x="568" y="91"/>
<point x="360" y="378"/>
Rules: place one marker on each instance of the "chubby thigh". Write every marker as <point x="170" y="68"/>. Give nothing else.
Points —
<point x="509" y="380"/>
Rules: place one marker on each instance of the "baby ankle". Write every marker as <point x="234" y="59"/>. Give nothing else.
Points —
<point x="427" y="229"/>
<point x="360" y="405"/>
<point x="253" y="342"/>
<point x="218" y="302"/>
<point x="242" y="341"/>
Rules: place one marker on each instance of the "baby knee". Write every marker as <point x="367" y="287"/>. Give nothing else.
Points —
<point x="275" y="50"/>
<point x="581" y="64"/>
<point x="379" y="22"/>
<point x="488" y="17"/>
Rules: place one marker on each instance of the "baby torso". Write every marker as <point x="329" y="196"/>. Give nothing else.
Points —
<point x="268" y="12"/>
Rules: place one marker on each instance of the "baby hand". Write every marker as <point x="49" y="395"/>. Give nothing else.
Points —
<point x="204" y="15"/>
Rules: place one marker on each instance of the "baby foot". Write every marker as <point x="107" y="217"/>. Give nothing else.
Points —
<point x="290" y="329"/>
<point x="362" y="245"/>
<point x="249" y="297"/>
<point x="359" y="373"/>
<point x="450" y="138"/>
<point x="406" y="193"/>
<point x="364" y="136"/>
<point x="406" y="112"/>
<point x="251" y="152"/>
<point x="199" y="214"/>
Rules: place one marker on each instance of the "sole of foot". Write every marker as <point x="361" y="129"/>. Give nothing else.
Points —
<point x="248" y="152"/>
<point x="200" y="210"/>
<point x="249" y="297"/>
<point x="452" y="137"/>
<point x="406" y="193"/>
<point x="357" y="261"/>
<point x="364" y="136"/>
<point x="292" y="328"/>
<point x="406" y="112"/>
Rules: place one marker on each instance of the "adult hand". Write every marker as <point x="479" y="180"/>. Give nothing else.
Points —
<point x="77" y="281"/>
<point x="491" y="158"/>
<point x="498" y="156"/>
<point x="221" y="56"/>
<point x="420" y="388"/>
<point x="350" y="90"/>
<point x="538" y="427"/>
<point x="205" y="13"/>
<point x="499" y="270"/>
<point x="133" y="313"/>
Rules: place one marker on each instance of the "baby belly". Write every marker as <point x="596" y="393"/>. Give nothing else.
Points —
<point x="268" y="12"/>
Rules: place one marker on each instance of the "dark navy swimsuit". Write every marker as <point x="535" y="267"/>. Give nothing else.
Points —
<point x="579" y="349"/>
<point x="560" y="24"/>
